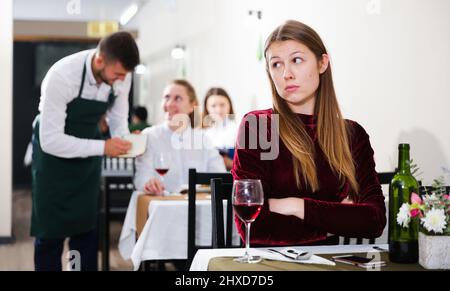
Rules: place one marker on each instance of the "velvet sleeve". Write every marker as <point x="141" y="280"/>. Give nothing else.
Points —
<point x="248" y="164"/>
<point x="367" y="216"/>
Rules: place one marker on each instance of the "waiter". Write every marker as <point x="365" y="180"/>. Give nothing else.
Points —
<point x="67" y="147"/>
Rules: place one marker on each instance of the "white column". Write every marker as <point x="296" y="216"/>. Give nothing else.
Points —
<point x="6" y="56"/>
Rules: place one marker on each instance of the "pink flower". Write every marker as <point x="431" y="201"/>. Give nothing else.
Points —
<point x="416" y="199"/>
<point x="415" y="213"/>
<point x="446" y="197"/>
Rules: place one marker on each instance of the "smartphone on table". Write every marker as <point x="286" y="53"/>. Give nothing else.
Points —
<point x="359" y="261"/>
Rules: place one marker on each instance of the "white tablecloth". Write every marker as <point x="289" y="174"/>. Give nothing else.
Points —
<point x="164" y="236"/>
<point x="202" y="257"/>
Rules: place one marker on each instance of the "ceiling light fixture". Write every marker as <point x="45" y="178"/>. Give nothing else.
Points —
<point x="128" y="14"/>
<point x="140" y="69"/>
<point x="178" y="52"/>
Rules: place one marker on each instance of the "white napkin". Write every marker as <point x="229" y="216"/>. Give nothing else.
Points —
<point x="265" y="253"/>
<point x="138" y="145"/>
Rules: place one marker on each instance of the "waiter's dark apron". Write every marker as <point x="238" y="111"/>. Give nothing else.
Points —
<point x="65" y="191"/>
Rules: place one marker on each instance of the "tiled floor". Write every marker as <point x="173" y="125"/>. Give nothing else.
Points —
<point x="19" y="256"/>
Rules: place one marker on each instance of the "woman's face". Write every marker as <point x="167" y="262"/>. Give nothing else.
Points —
<point x="218" y="107"/>
<point x="176" y="101"/>
<point x="295" y="72"/>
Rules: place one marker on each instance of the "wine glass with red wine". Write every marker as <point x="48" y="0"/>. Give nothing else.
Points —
<point x="248" y="199"/>
<point x="161" y="163"/>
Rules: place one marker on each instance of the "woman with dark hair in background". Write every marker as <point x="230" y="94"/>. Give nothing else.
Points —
<point x="219" y="124"/>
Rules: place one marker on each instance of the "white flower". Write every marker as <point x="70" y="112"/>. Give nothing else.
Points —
<point x="403" y="216"/>
<point x="434" y="220"/>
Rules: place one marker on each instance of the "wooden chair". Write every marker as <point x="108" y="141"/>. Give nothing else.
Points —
<point x="385" y="177"/>
<point x="221" y="191"/>
<point x="197" y="178"/>
<point x="117" y="174"/>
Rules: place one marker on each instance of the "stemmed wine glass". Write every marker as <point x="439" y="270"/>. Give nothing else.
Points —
<point x="247" y="199"/>
<point x="161" y="163"/>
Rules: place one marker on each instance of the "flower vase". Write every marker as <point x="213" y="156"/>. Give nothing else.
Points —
<point x="434" y="251"/>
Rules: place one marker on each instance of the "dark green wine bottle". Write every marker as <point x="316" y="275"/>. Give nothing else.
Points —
<point x="403" y="245"/>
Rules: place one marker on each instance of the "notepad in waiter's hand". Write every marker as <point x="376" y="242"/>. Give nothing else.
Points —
<point x="359" y="261"/>
<point x="138" y="145"/>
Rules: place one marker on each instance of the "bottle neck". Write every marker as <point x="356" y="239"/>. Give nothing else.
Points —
<point x="404" y="166"/>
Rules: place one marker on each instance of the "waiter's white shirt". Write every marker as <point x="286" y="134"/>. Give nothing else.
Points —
<point x="190" y="149"/>
<point x="60" y="86"/>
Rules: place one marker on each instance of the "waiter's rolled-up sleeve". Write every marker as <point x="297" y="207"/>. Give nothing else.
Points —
<point x="56" y="94"/>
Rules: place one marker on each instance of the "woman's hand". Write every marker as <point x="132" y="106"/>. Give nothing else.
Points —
<point x="154" y="187"/>
<point x="228" y="162"/>
<point x="288" y="206"/>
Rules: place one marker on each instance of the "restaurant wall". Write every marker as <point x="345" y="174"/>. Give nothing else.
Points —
<point x="6" y="33"/>
<point x="389" y="58"/>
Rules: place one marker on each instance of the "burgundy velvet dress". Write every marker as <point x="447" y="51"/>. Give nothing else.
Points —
<point x="324" y="212"/>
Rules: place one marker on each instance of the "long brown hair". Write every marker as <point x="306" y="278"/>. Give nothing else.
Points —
<point x="332" y="132"/>
<point x="194" y="115"/>
<point x="211" y="92"/>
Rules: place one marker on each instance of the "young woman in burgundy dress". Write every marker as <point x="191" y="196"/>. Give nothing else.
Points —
<point x="322" y="182"/>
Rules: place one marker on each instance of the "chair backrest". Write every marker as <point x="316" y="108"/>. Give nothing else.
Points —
<point x="384" y="178"/>
<point x="423" y="190"/>
<point x="119" y="165"/>
<point x="197" y="178"/>
<point x="221" y="191"/>
<point x="118" y="174"/>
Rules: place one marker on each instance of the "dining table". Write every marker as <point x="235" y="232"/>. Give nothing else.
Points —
<point x="223" y="259"/>
<point x="155" y="227"/>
